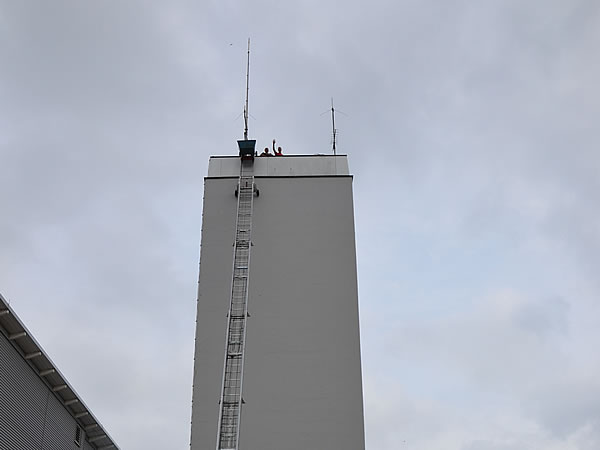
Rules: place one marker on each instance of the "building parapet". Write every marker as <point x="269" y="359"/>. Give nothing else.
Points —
<point x="281" y="166"/>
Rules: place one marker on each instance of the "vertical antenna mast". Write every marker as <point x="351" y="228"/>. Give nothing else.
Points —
<point x="247" y="90"/>
<point x="333" y="124"/>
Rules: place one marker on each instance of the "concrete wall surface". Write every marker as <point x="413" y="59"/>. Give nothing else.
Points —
<point x="302" y="378"/>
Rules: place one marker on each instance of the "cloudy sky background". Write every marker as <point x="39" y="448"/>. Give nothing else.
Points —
<point x="472" y="132"/>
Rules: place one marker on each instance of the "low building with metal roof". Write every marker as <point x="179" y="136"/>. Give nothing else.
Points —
<point x="38" y="407"/>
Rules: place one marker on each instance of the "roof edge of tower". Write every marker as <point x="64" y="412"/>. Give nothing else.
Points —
<point x="278" y="166"/>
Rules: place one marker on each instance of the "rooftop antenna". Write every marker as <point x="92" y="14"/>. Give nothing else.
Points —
<point x="333" y="124"/>
<point x="247" y="147"/>
<point x="247" y="90"/>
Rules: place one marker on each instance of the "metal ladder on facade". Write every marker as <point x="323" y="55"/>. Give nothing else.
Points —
<point x="230" y="409"/>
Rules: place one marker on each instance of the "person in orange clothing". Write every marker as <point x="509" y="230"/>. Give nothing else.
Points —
<point x="277" y="152"/>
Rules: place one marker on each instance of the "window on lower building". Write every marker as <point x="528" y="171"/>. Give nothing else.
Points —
<point x="78" y="434"/>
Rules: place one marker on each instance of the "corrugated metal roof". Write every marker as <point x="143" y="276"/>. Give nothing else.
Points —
<point x="32" y="352"/>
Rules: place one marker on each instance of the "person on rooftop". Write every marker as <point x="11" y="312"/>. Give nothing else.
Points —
<point x="266" y="152"/>
<point x="277" y="152"/>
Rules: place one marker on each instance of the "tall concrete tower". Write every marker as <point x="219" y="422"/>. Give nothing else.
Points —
<point x="277" y="358"/>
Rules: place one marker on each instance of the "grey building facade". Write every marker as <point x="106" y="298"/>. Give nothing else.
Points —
<point x="302" y="384"/>
<point x="39" y="410"/>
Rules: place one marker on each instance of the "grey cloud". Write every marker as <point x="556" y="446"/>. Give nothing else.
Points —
<point x="568" y="406"/>
<point x="491" y="445"/>
<point x="546" y="316"/>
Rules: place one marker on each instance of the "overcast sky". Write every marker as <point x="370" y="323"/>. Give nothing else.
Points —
<point x="472" y="133"/>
